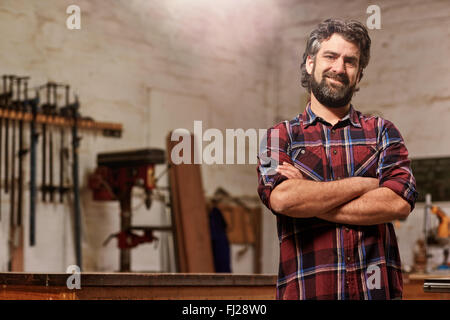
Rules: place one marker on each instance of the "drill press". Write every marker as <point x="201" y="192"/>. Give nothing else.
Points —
<point x="114" y="178"/>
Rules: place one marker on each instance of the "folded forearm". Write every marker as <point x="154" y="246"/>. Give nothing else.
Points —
<point x="304" y="198"/>
<point x="374" y="207"/>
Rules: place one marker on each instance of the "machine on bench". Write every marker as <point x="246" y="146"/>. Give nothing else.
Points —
<point x="114" y="178"/>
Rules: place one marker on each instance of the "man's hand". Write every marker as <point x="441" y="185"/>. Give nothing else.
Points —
<point x="289" y="171"/>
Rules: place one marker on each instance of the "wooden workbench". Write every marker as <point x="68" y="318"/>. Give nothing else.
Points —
<point x="143" y="286"/>
<point x="167" y="286"/>
<point x="413" y="287"/>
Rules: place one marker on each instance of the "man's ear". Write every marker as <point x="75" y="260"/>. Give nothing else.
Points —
<point x="309" y="65"/>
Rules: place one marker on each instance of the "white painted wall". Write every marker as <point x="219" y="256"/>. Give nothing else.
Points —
<point x="152" y="66"/>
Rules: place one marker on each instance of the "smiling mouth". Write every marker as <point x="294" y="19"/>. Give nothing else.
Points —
<point x="336" y="81"/>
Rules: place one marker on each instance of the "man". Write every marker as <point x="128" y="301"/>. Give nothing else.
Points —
<point x="342" y="178"/>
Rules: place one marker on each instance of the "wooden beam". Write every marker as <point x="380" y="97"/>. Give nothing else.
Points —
<point x="193" y="232"/>
<point x="109" y="127"/>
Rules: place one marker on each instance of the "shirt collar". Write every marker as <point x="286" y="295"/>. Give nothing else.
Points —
<point x="309" y="117"/>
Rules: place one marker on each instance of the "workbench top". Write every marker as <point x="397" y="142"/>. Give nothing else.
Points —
<point x="130" y="286"/>
<point x="140" y="279"/>
<point x="168" y="286"/>
<point x="423" y="276"/>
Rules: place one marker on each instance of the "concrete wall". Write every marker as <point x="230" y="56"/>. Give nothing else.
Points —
<point x="152" y="66"/>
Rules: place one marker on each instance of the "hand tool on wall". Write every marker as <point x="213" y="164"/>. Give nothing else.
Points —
<point x="5" y="95"/>
<point x="75" y="181"/>
<point x="4" y="102"/>
<point x="63" y="151"/>
<point x="16" y="109"/>
<point x="22" y="152"/>
<point x="8" y="107"/>
<point x="17" y="114"/>
<point x="12" y="200"/>
<point x="45" y="108"/>
<point x="12" y="239"/>
<point x="33" y="189"/>
<point x="51" y="112"/>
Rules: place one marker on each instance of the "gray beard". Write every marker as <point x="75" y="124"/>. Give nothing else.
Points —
<point x="332" y="97"/>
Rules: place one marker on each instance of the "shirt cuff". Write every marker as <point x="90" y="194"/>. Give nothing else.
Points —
<point x="276" y="181"/>
<point x="403" y="189"/>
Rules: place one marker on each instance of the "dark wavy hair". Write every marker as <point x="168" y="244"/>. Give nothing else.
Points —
<point x="352" y="30"/>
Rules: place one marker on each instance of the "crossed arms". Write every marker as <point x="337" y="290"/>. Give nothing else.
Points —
<point x="354" y="200"/>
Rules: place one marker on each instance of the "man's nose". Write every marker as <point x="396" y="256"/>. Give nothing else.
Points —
<point x="338" y="66"/>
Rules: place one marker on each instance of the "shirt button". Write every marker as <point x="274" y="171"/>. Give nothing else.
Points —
<point x="303" y="151"/>
<point x="348" y="258"/>
<point x="347" y="282"/>
<point x="333" y="131"/>
<point x="334" y="151"/>
<point x="347" y="229"/>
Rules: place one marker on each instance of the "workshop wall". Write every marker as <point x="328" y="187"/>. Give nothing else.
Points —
<point x="139" y="63"/>
<point x="406" y="80"/>
<point x="158" y="65"/>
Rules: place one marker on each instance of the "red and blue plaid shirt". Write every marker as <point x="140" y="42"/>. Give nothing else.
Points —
<point x="324" y="260"/>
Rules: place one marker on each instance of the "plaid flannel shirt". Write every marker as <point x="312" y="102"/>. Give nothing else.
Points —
<point x="324" y="260"/>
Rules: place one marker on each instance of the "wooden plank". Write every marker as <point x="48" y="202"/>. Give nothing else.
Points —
<point x="181" y="293"/>
<point x="131" y="286"/>
<point x="124" y="279"/>
<point x="138" y="293"/>
<point x="257" y="257"/>
<point x="60" y="121"/>
<point x="17" y="253"/>
<point x="21" y="292"/>
<point x="191" y="217"/>
<point x="162" y="286"/>
<point x="177" y="222"/>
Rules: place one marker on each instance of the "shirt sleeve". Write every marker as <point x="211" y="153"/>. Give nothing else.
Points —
<point x="273" y="150"/>
<point x="394" y="167"/>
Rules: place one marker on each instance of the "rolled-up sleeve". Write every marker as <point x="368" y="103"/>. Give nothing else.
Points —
<point x="273" y="151"/>
<point x="394" y="167"/>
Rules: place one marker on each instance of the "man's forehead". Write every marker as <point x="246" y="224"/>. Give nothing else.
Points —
<point x="336" y="43"/>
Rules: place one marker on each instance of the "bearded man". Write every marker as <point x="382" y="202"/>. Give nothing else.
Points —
<point x="342" y="178"/>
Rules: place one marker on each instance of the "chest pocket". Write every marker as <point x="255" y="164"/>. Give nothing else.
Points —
<point x="309" y="160"/>
<point x="365" y="158"/>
